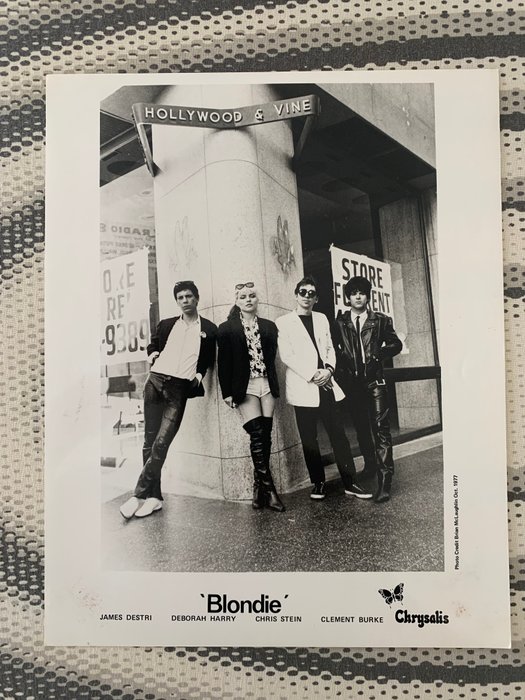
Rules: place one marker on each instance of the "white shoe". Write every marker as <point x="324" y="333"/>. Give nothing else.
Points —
<point x="130" y="507"/>
<point x="149" y="506"/>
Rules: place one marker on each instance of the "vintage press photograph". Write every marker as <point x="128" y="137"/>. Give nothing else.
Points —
<point x="270" y="368"/>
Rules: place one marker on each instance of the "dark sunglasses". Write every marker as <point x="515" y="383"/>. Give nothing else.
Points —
<point x="308" y="293"/>
<point x="244" y="284"/>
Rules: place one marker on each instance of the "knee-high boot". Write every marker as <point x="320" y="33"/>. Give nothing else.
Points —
<point x="267" y="427"/>
<point x="274" y="502"/>
<point x="255" y="429"/>
<point x="264" y="492"/>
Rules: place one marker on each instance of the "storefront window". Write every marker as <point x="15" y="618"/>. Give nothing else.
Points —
<point x="397" y="228"/>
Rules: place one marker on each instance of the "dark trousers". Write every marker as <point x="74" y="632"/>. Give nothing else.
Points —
<point x="369" y="408"/>
<point x="164" y="403"/>
<point x="328" y="412"/>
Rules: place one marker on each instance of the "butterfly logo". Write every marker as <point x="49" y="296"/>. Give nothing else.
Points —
<point x="395" y="596"/>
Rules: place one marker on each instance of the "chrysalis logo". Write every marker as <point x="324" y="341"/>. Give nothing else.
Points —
<point x="422" y="619"/>
<point x="396" y="596"/>
<point x="220" y="603"/>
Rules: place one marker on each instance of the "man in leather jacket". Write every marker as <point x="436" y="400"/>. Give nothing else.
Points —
<point x="181" y="350"/>
<point x="363" y="339"/>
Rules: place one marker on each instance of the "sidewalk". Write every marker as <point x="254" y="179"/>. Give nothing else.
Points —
<point x="341" y="533"/>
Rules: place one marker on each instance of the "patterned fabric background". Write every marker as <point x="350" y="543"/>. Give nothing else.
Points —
<point x="39" y="37"/>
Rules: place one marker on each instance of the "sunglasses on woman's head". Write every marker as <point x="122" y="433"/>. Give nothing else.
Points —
<point x="308" y="293"/>
<point x="244" y="284"/>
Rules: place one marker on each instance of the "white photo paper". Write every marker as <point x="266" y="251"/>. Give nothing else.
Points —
<point x="275" y="408"/>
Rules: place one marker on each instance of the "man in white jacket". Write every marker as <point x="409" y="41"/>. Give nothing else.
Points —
<point x="305" y="347"/>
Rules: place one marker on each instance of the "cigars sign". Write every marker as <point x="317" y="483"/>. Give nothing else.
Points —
<point x="210" y="118"/>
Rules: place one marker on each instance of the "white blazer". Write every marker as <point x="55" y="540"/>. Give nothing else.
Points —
<point x="300" y="357"/>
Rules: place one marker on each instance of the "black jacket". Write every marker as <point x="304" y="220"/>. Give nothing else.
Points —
<point x="234" y="359"/>
<point x="379" y="341"/>
<point x="206" y="357"/>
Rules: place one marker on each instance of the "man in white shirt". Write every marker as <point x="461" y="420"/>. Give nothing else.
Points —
<point x="363" y="339"/>
<point x="181" y="350"/>
<point x="305" y="346"/>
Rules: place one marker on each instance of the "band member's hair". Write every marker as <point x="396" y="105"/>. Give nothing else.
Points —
<point x="358" y="284"/>
<point x="185" y="285"/>
<point x="306" y="280"/>
<point x="235" y="312"/>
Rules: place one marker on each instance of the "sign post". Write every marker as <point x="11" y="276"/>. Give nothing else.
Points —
<point x="144" y="113"/>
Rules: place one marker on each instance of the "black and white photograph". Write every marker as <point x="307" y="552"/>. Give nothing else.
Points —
<point x="271" y="392"/>
<point x="282" y="412"/>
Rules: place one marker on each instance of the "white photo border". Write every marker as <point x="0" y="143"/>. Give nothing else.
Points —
<point x="475" y="598"/>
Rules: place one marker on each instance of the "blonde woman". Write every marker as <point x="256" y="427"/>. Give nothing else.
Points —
<point x="248" y="380"/>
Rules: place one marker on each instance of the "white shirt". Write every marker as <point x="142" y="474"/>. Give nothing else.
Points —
<point x="181" y="352"/>
<point x="362" y="320"/>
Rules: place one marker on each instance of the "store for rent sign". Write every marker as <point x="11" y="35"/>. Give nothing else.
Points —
<point x="125" y="308"/>
<point x="346" y="265"/>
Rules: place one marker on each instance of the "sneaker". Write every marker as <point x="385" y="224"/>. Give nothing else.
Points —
<point x="130" y="507"/>
<point x="318" y="491"/>
<point x="358" y="491"/>
<point x="150" y="506"/>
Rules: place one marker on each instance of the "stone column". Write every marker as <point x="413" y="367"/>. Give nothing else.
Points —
<point x="401" y="235"/>
<point x="226" y="211"/>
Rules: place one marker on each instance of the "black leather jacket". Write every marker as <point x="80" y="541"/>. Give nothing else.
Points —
<point x="379" y="341"/>
<point x="208" y="346"/>
<point x="234" y="360"/>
